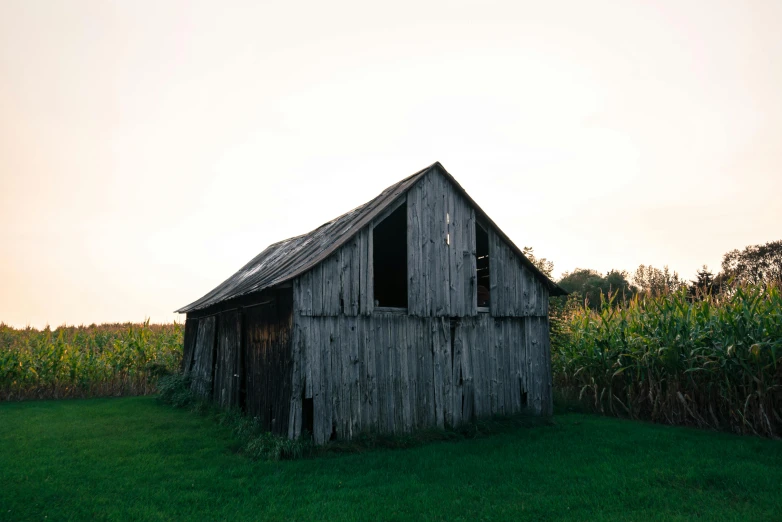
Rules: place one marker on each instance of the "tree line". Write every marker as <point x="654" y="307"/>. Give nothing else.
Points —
<point x="755" y="264"/>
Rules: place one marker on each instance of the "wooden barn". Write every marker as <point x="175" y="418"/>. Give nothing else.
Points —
<point x="413" y="310"/>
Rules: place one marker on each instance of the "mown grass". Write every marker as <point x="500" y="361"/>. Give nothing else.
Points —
<point x="138" y="459"/>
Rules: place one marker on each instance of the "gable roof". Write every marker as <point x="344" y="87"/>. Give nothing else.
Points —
<point x="290" y="258"/>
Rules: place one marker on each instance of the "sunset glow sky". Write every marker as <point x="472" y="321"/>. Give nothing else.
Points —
<point x="150" y="149"/>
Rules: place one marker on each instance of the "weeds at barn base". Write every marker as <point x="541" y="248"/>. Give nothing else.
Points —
<point x="253" y="442"/>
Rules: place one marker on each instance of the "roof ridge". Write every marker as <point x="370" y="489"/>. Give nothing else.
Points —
<point x="289" y="258"/>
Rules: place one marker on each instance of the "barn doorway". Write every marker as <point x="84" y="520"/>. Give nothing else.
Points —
<point x="389" y="255"/>
<point x="268" y="360"/>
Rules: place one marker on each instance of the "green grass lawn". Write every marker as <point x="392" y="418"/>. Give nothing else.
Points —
<point x="137" y="459"/>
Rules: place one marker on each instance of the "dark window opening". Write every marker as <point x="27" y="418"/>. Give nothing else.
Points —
<point x="389" y="255"/>
<point x="482" y="264"/>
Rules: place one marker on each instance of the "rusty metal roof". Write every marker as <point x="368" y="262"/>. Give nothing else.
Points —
<point x="288" y="259"/>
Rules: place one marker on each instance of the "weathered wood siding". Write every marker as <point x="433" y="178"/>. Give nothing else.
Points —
<point x="441" y="266"/>
<point x="191" y="332"/>
<point x="341" y="284"/>
<point x="203" y="357"/>
<point x="267" y="340"/>
<point x="323" y="347"/>
<point x="441" y="250"/>
<point x="396" y="373"/>
<point x="515" y="291"/>
<point x="227" y="376"/>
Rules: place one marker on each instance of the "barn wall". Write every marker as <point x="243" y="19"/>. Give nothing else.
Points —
<point x="191" y="332"/>
<point x="202" y="369"/>
<point x="515" y="291"/>
<point x="395" y="373"/>
<point x="341" y="284"/>
<point x="267" y="361"/>
<point x="441" y="265"/>
<point x="241" y="357"/>
<point x="441" y="250"/>
<point x="227" y="373"/>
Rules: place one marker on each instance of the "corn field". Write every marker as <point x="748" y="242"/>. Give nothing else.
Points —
<point x="86" y="361"/>
<point x="713" y="361"/>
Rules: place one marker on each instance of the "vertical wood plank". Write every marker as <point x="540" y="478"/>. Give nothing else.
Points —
<point x="529" y="292"/>
<point x="327" y="377"/>
<point x="447" y="362"/>
<point x="524" y="362"/>
<point x="494" y="275"/>
<point x="204" y="357"/>
<point x="468" y="386"/>
<point x="457" y="382"/>
<point x="337" y="378"/>
<point x="404" y="374"/>
<point x="426" y="244"/>
<point x="513" y="373"/>
<point x="380" y="373"/>
<point x="366" y="290"/>
<point x="415" y="360"/>
<point x="512" y="382"/>
<point x="477" y="357"/>
<point x="388" y="354"/>
<point x="355" y="377"/>
<point x="370" y="270"/>
<point x="314" y="353"/>
<point x="316" y="280"/>
<point x="438" y="363"/>
<point x="470" y="266"/>
<point x="372" y="377"/>
<point x="414" y="252"/>
<point x="440" y="259"/>
<point x="363" y="377"/>
<point x="520" y="283"/>
<point x="294" y="417"/>
<point x="191" y="333"/>
<point x="395" y="356"/>
<point x="452" y="246"/>
<point x="355" y="276"/>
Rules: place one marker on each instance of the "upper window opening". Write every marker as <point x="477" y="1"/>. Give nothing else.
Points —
<point x="389" y="254"/>
<point x="482" y="265"/>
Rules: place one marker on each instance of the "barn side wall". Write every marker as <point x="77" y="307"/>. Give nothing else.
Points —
<point x="441" y="250"/>
<point x="514" y="291"/>
<point x="239" y="355"/>
<point x="395" y="373"/>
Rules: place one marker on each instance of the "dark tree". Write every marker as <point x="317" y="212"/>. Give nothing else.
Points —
<point x="542" y="264"/>
<point x="653" y="281"/>
<point x="704" y="284"/>
<point x="591" y="284"/>
<point x="754" y="264"/>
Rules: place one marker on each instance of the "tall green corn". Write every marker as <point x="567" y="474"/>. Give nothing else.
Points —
<point x="86" y="361"/>
<point x="715" y="361"/>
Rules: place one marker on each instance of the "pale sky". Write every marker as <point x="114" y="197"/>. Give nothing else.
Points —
<point x="150" y="149"/>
